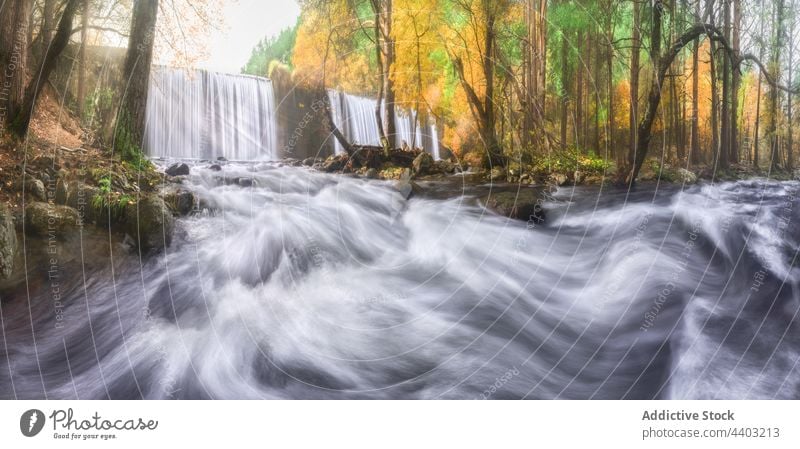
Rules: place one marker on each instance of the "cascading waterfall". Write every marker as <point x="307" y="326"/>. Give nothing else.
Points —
<point x="355" y="117"/>
<point x="205" y="115"/>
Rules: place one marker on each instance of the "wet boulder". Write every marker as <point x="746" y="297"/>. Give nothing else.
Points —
<point x="150" y="223"/>
<point x="422" y="164"/>
<point x="524" y="204"/>
<point x="180" y="169"/>
<point x="179" y="200"/>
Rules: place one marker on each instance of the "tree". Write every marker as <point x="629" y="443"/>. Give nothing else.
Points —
<point x="479" y="67"/>
<point x="130" y="125"/>
<point x="773" y="92"/>
<point x="13" y="56"/>
<point x="46" y="67"/>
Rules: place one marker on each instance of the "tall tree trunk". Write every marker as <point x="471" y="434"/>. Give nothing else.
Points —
<point x="13" y="56"/>
<point x="580" y="135"/>
<point x="82" y="67"/>
<point x="725" y="128"/>
<point x="695" y="144"/>
<point x="634" y="100"/>
<point x="610" y="74"/>
<point x="789" y="111"/>
<point x="715" y="147"/>
<point x="736" y="81"/>
<point x="379" y="53"/>
<point x="773" y="93"/>
<point x="388" y="38"/>
<point x="758" y="122"/>
<point x="564" y="89"/>
<point x="639" y="152"/>
<point x="129" y="134"/>
<point x="48" y="64"/>
<point x="48" y="25"/>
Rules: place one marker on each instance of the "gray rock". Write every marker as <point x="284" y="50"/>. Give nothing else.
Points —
<point x="559" y="179"/>
<point x="334" y="163"/>
<point x="8" y="242"/>
<point x="62" y="189"/>
<point x="245" y="182"/>
<point x="35" y="188"/>
<point x="150" y="223"/>
<point x="179" y="200"/>
<point x="371" y="173"/>
<point x="45" y="220"/>
<point x="215" y="167"/>
<point x="408" y="188"/>
<point x="497" y="174"/>
<point x="177" y="170"/>
<point x="422" y="164"/>
<point x="79" y="197"/>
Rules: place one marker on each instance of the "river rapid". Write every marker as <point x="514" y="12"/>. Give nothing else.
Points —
<point x="308" y="285"/>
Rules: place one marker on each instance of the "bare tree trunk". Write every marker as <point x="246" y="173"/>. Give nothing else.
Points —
<point x="715" y="147"/>
<point x="736" y="82"/>
<point x="13" y="56"/>
<point x="564" y="90"/>
<point x="48" y="64"/>
<point x="634" y="100"/>
<point x="773" y="93"/>
<point x="725" y="128"/>
<point x="695" y="145"/>
<point x="129" y="134"/>
<point x="82" y="68"/>
<point x="391" y="125"/>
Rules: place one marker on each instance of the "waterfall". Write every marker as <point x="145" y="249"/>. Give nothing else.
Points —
<point x="205" y="115"/>
<point x="355" y="118"/>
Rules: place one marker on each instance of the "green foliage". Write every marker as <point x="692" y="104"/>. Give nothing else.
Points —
<point x="570" y="161"/>
<point x="97" y="105"/>
<point x="276" y="48"/>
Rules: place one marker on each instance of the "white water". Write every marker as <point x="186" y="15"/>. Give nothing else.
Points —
<point x="309" y="285"/>
<point x="355" y="117"/>
<point x="206" y="115"/>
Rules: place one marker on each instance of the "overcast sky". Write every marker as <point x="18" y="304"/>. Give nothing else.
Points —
<point x="247" y="22"/>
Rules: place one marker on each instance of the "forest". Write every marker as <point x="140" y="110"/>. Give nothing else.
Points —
<point x="603" y="83"/>
<point x="688" y="82"/>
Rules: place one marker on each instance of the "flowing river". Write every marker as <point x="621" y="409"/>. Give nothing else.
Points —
<point x="307" y="285"/>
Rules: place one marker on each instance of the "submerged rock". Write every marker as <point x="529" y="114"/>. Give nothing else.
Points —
<point x="215" y="167"/>
<point x="8" y="242"/>
<point x="371" y="173"/>
<point x="42" y="219"/>
<point x="522" y="205"/>
<point x="150" y="223"/>
<point x="177" y="170"/>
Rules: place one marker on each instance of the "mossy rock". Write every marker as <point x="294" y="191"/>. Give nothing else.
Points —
<point x="524" y="204"/>
<point x="50" y="220"/>
<point x="8" y="242"/>
<point x="150" y="223"/>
